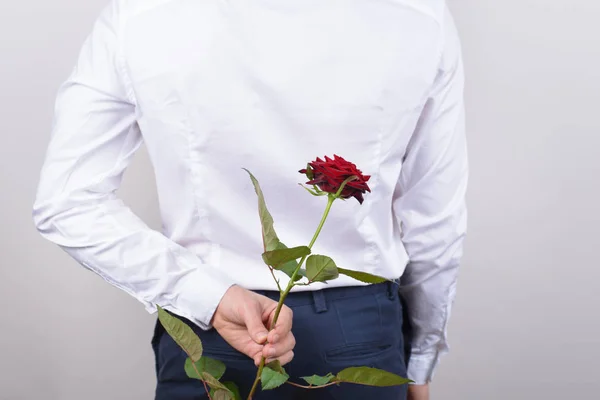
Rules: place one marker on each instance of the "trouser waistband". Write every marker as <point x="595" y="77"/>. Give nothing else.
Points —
<point x="320" y="298"/>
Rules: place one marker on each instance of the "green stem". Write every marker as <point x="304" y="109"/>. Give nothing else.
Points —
<point x="283" y="295"/>
<point x="311" y="386"/>
<point x="207" y="390"/>
<point x="203" y="381"/>
<point x="257" y="379"/>
<point x="275" y="279"/>
<point x="330" y="200"/>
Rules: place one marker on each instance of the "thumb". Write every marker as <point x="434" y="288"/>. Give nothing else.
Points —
<point x="257" y="330"/>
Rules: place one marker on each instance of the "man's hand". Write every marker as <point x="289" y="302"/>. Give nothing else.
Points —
<point x="242" y="318"/>
<point x="418" y="392"/>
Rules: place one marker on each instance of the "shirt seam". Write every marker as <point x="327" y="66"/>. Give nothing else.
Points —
<point x="120" y="60"/>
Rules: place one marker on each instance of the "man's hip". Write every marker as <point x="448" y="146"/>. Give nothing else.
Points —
<point x="334" y="329"/>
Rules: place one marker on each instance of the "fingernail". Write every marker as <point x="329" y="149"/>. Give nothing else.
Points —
<point x="262" y="336"/>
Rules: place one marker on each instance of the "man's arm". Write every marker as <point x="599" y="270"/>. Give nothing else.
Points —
<point x="93" y="140"/>
<point x="430" y="206"/>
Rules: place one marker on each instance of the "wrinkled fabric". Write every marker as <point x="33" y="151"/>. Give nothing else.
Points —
<point x="211" y="87"/>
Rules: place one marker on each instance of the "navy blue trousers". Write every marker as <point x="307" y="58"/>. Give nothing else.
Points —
<point x="334" y="329"/>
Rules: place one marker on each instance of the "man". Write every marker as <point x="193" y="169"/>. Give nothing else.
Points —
<point x="213" y="86"/>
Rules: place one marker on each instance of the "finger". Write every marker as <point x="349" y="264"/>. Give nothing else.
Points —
<point x="253" y="350"/>
<point x="284" y="359"/>
<point x="284" y="325"/>
<point x="256" y="329"/>
<point x="272" y="350"/>
<point x="257" y="359"/>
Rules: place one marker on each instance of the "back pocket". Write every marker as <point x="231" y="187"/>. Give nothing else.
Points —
<point x="358" y="351"/>
<point x="360" y="319"/>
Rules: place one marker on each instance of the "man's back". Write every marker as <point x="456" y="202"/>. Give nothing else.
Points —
<point x="213" y="86"/>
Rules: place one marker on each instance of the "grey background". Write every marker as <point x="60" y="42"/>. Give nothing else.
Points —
<point x="525" y="324"/>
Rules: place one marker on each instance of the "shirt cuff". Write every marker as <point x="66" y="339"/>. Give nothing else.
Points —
<point x="197" y="296"/>
<point x="421" y="368"/>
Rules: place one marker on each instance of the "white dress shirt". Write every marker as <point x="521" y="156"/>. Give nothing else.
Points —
<point x="213" y="86"/>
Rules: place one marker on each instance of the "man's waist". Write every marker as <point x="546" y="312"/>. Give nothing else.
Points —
<point x="305" y="297"/>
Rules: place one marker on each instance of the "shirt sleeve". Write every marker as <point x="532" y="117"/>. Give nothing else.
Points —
<point x="94" y="138"/>
<point x="430" y="206"/>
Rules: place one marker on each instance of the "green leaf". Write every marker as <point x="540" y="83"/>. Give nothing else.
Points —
<point x="317" y="380"/>
<point x="213" y="382"/>
<point x="321" y="269"/>
<point x="362" y="276"/>
<point x="234" y="389"/>
<point x="344" y="183"/>
<point x="309" y="172"/>
<point x="276" y="258"/>
<point x="309" y="190"/>
<point x="370" y="377"/>
<point x="232" y="392"/>
<point x="205" y="364"/>
<point x="181" y="333"/>
<point x="315" y="192"/>
<point x="221" y="395"/>
<point x="270" y="238"/>
<point x="276" y="366"/>
<point x="290" y="266"/>
<point x="273" y="375"/>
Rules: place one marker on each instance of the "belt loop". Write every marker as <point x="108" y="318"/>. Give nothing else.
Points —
<point x="392" y="288"/>
<point x="320" y="303"/>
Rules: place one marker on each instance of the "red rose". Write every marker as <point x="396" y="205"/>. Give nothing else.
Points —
<point x="329" y="175"/>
